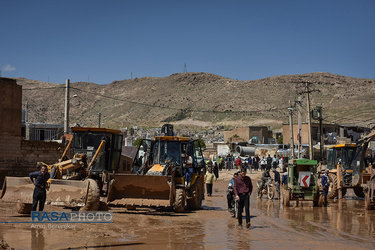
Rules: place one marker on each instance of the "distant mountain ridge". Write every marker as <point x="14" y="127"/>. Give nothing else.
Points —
<point x="201" y="99"/>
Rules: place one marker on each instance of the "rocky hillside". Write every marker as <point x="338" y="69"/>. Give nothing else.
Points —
<point x="201" y="99"/>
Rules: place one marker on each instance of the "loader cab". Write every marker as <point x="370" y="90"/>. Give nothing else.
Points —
<point x="171" y="152"/>
<point x="88" y="140"/>
<point x="168" y="152"/>
<point x="342" y="154"/>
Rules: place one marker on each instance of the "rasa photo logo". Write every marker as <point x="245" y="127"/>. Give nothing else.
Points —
<point x="72" y="217"/>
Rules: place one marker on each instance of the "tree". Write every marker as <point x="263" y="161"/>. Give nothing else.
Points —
<point x="200" y="143"/>
<point x="137" y="142"/>
<point x="280" y="139"/>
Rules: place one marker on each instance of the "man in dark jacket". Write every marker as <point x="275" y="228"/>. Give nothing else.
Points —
<point x="325" y="184"/>
<point x="243" y="189"/>
<point x="41" y="177"/>
<point x="277" y="181"/>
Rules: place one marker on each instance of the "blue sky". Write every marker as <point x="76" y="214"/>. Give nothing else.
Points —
<point x="104" y="41"/>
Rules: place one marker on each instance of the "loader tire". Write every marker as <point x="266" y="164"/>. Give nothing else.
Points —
<point x="24" y="208"/>
<point x="93" y="197"/>
<point x="358" y="190"/>
<point x="179" y="205"/>
<point x="344" y="190"/>
<point x="333" y="190"/>
<point x="197" y="193"/>
<point x="367" y="202"/>
<point x="103" y="206"/>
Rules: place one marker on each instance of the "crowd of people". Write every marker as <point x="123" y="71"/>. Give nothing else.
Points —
<point x="250" y="163"/>
<point x="240" y="186"/>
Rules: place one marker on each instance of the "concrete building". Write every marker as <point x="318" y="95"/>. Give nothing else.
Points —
<point x="260" y="133"/>
<point x="42" y="131"/>
<point x="338" y="132"/>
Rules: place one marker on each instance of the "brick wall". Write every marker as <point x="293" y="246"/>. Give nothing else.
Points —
<point x="10" y="118"/>
<point x="19" y="157"/>
<point x="31" y="152"/>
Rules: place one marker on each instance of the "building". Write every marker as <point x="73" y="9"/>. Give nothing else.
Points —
<point x="42" y="131"/>
<point x="332" y="133"/>
<point x="257" y="134"/>
<point x="19" y="157"/>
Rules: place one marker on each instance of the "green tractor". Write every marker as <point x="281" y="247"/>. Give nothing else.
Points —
<point x="302" y="182"/>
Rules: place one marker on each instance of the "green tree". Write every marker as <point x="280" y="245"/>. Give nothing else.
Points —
<point x="235" y="136"/>
<point x="137" y="142"/>
<point x="280" y="139"/>
<point x="200" y="143"/>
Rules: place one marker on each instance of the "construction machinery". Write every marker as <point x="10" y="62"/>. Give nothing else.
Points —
<point x="359" y="164"/>
<point x="77" y="182"/>
<point x="347" y="167"/>
<point x="302" y="182"/>
<point x="158" y="175"/>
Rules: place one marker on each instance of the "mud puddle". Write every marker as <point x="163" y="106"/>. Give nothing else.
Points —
<point x="344" y="225"/>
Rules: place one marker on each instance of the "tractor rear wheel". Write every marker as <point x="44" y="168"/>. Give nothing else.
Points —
<point x="333" y="190"/>
<point x="195" y="202"/>
<point x="179" y="205"/>
<point x="93" y="197"/>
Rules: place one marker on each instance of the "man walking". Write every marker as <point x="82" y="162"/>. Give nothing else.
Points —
<point x="243" y="189"/>
<point x="325" y="184"/>
<point x="209" y="179"/>
<point x="41" y="177"/>
<point x="277" y="181"/>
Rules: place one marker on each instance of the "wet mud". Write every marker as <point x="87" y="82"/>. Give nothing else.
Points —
<point x="342" y="225"/>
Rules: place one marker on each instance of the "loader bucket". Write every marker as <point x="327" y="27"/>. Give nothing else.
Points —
<point x="140" y="190"/>
<point x="61" y="192"/>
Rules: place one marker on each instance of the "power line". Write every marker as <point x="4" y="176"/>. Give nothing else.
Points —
<point x="45" y="88"/>
<point x="180" y="109"/>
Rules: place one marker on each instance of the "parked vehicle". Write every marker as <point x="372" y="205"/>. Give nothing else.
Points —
<point x="302" y="182"/>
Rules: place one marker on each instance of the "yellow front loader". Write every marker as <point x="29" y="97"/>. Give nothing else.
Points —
<point x="77" y="182"/>
<point x="159" y="175"/>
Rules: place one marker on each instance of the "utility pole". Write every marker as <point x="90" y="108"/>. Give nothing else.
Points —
<point x="308" y="91"/>
<point x="99" y="115"/>
<point x="66" y="118"/>
<point x="317" y="115"/>
<point x="319" y="107"/>
<point x="291" y="130"/>
<point x="299" y="126"/>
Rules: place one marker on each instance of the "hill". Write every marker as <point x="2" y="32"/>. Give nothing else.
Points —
<point x="201" y="99"/>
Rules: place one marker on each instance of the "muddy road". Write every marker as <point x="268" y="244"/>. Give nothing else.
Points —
<point x="342" y="225"/>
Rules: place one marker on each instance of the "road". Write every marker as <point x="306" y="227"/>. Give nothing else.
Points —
<point x="341" y="225"/>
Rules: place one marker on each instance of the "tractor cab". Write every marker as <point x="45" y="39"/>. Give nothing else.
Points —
<point x="167" y="154"/>
<point x="87" y="141"/>
<point x="341" y="154"/>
